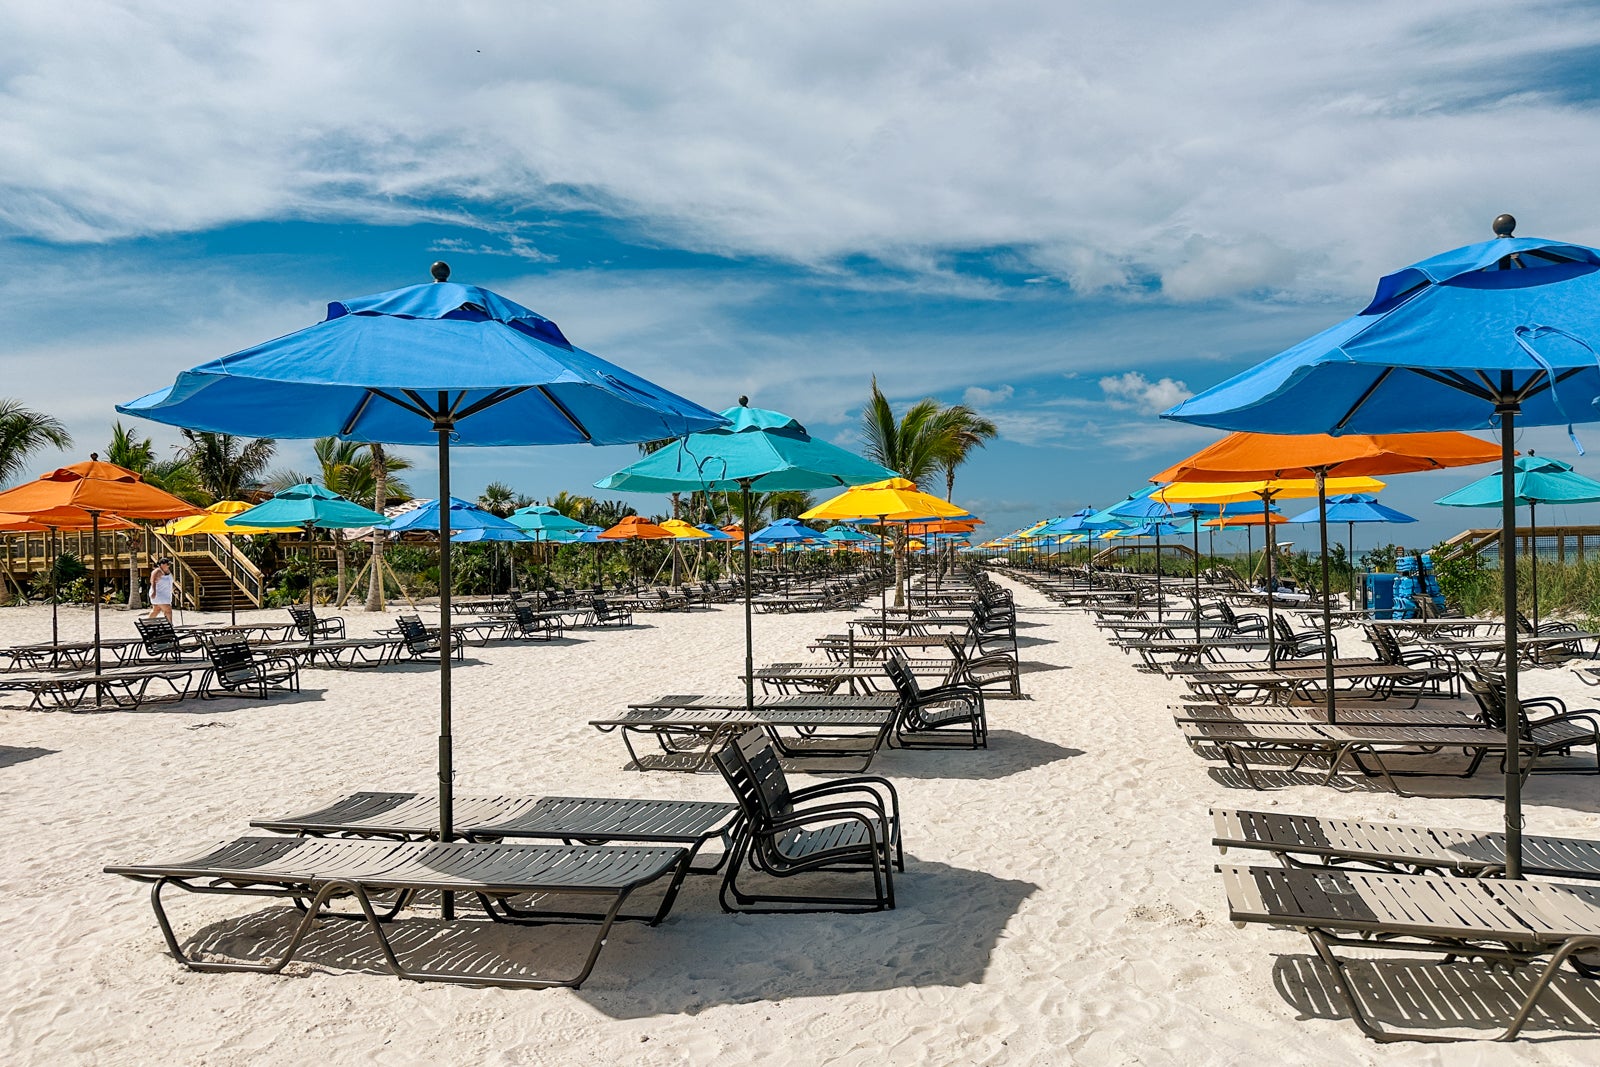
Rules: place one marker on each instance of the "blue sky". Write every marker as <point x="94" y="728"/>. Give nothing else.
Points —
<point x="1067" y="216"/>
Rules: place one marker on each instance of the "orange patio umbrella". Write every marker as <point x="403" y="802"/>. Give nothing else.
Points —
<point x="636" y="528"/>
<point x="93" y="489"/>
<point x="1242" y="456"/>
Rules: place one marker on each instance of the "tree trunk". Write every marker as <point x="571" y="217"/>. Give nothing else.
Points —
<point x="339" y="560"/>
<point x="899" y="570"/>
<point x="135" y="585"/>
<point x="380" y="492"/>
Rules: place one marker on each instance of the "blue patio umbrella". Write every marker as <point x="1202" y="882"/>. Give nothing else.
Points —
<point x="463" y="515"/>
<point x="427" y="364"/>
<point x="786" y="531"/>
<point x="1538" y="480"/>
<point x="591" y="536"/>
<point x="492" y="534"/>
<point x="713" y="532"/>
<point x="1155" y="518"/>
<point x="1483" y="336"/>
<point x="309" y="506"/>
<point x="756" y="450"/>
<point x="1352" y="508"/>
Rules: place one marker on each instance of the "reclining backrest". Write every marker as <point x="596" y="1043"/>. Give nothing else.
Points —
<point x="231" y="659"/>
<point x="159" y="636"/>
<point x="901" y="675"/>
<point x="416" y="635"/>
<point x="1285" y="631"/>
<point x="752" y="770"/>
<point x="305" y="619"/>
<point x="523" y="613"/>
<point x="1489" y="690"/>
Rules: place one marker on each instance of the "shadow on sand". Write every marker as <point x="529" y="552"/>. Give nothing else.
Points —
<point x="1425" y="995"/>
<point x="943" y="933"/>
<point x="10" y="756"/>
<point x="1009" y="753"/>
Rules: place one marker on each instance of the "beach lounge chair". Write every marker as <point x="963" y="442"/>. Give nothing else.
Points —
<point x="531" y="625"/>
<point x="124" y="687"/>
<point x="1400" y="848"/>
<point x="310" y="627"/>
<point x="236" y="669"/>
<point x="1491" y="919"/>
<point x="604" y="613"/>
<point x="161" y="641"/>
<point x="419" y="641"/>
<point x="312" y="871"/>
<point x="945" y="716"/>
<point x="688" y="729"/>
<point x="571" y="820"/>
<point x="844" y="826"/>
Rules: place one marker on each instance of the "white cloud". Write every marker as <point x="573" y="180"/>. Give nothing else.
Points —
<point x="979" y="398"/>
<point x="1180" y="149"/>
<point x="1132" y="391"/>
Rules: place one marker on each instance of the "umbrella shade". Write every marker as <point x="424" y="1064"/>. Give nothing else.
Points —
<point x="785" y="531"/>
<point x="477" y="534"/>
<point x="1239" y="491"/>
<point x="1242" y="456"/>
<point x="382" y="368"/>
<point x="1537" y="480"/>
<point x="683" y="531"/>
<point x="845" y="533"/>
<point x="734" y="531"/>
<point x="214" y="521"/>
<point x="94" y="487"/>
<point x="635" y="528"/>
<point x="591" y="536"/>
<point x="1069" y="524"/>
<point x="891" y="499"/>
<point x="1478" y="337"/>
<point x="63" y="518"/>
<point x="1257" y="519"/>
<point x="546" y="520"/>
<point x="766" y="451"/>
<point x="463" y="515"/>
<point x="713" y="532"/>
<point x="307" y="504"/>
<point x="20" y="524"/>
<point x="1356" y="507"/>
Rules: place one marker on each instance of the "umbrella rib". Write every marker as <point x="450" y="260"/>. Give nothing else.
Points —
<point x="1458" y="382"/>
<point x="355" y="416"/>
<point x="490" y="401"/>
<point x="562" y="408"/>
<point x="420" y="406"/>
<point x="1362" y="399"/>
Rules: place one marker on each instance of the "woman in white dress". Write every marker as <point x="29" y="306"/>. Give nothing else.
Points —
<point x="161" y="590"/>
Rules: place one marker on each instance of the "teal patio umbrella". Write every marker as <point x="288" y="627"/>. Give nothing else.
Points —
<point x="1538" y="480"/>
<point x="545" y="523"/>
<point x="756" y="451"/>
<point x="310" y="507"/>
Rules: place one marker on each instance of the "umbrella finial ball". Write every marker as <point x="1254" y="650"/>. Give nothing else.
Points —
<point x="440" y="271"/>
<point x="1504" y="225"/>
<point x="744" y="401"/>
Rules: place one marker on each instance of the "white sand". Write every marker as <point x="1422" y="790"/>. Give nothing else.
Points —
<point x="1059" y="904"/>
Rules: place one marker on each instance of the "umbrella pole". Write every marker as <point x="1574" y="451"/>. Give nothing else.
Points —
<point x="1533" y="560"/>
<point x="1272" y="543"/>
<point x="233" y="586"/>
<point x="1327" y="609"/>
<point x="1350" y="559"/>
<point x="749" y="633"/>
<point x="883" y="595"/>
<point x="55" y="594"/>
<point x="94" y="592"/>
<point x="1194" y="527"/>
<point x="1159" y="617"/>
<point x="446" y="762"/>
<point x="1507" y="410"/>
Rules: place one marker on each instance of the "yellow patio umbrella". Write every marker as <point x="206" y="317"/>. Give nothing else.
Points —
<point x="684" y="531"/>
<point x="213" y="522"/>
<point x="891" y="500"/>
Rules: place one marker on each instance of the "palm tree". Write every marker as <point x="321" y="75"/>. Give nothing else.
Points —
<point x="24" y="432"/>
<point x="968" y="430"/>
<point x="380" y="461"/>
<point x="573" y="507"/>
<point x="498" y="498"/>
<point x="225" y="465"/>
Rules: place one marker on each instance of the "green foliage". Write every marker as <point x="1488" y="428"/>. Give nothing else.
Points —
<point x="24" y="432"/>
<point x="1382" y="558"/>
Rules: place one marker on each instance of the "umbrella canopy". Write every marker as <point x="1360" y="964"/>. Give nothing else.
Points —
<point x="892" y="499"/>
<point x="683" y="531"/>
<point x="1355" y="507"/>
<point x="765" y="451"/>
<point x="306" y="504"/>
<point x="734" y="531"/>
<point x="1069" y="524"/>
<point x="214" y="521"/>
<point x="1252" y="519"/>
<point x="1538" y="480"/>
<point x="591" y="536"/>
<point x="1241" y="456"/>
<point x="1478" y="337"/>
<point x="713" y="532"/>
<point x="545" y="520"/>
<point x="635" y="528"/>
<point x="843" y="533"/>
<point x="1241" y="491"/>
<point x="495" y="534"/>
<point x="785" y="531"/>
<point x="463" y="516"/>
